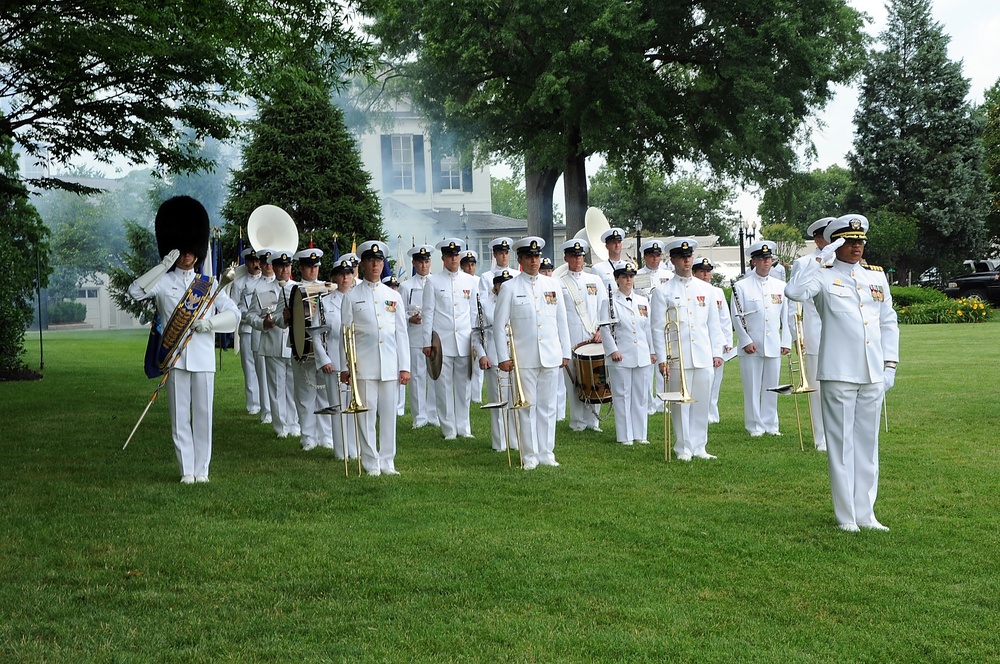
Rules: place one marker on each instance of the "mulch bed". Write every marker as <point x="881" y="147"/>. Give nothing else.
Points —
<point x="18" y="374"/>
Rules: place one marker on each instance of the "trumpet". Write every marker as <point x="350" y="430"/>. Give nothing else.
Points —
<point x="675" y="352"/>
<point x="519" y="401"/>
<point x="356" y="405"/>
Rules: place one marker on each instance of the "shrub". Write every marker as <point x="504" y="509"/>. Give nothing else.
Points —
<point x="67" y="312"/>
<point x="905" y="296"/>
<point x="947" y="311"/>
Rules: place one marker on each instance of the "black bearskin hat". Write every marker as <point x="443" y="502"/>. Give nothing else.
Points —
<point x="182" y="224"/>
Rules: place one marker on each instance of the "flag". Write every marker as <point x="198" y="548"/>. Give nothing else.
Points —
<point x="240" y="248"/>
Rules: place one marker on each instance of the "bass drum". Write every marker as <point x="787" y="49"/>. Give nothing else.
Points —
<point x="591" y="375"/>
<point x="303" y="308"/>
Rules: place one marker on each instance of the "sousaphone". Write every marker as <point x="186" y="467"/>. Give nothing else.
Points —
<point x="270" y="227"/>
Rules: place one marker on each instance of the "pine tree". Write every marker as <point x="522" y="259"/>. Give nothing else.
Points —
<point x="917" y="151"/>
<point x="302" y="158"/>
<point x="991" y="143"/>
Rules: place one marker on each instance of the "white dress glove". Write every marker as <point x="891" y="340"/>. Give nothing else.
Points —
<point x="830" y="251"/>
<point x="202" y="325"/>
<point x="222" y="322"/>
<point x="889" y="377"/>
<point x="148" y="280"/>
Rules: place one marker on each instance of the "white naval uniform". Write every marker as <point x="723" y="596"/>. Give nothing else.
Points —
<point x="701" y="341"/>
<point x="260" y="366"/>
<point x="589" y="291"/>
<point x="191" y="383"/>
<point x="449" y="309"/>
<point x="763" y="322"/>
<point x="859" y="334"/>
<point x="812" y="330"/>
<point x="423" y="405"/>
<point x="656" y="277"/>
<point x="726" y="323"/>
<point x="606" y="271"/>
<point x="277" y="359"/>
<point x="498" y="423"/>
<point x="243" y="290"/>
<point x="630" y="378"/>
<point x="310" y="387"/>
<point x="534" y="308"/>
<point x="378" y="315"/>
<point x="344" y="432"/>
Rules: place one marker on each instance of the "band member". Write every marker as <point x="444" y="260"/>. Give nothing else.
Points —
<point x="500" y="247"/>
<point x="179" y="291"/>
<point x="629" y="359"/>
<point x="310" y="386"/>
<point x="532" y="304"/>
<point x="612" y="239"/>
<point x="253" y="304"/>
<point x="383" y="358"/>
<point x="448" y="309"/>
<point x="468" y="264"/>
<point x="393" y="283"/>
<point x="329" y="358"/>
<point x="858" y="354"/>
<point x="700" y="343"/>
<point x="546" y="267"/>
<point x="652" y="255"/>
<point x="812" y="330"/>
<point x="423" y="405"/>
<point x="486" y="340"/>
<point x="586" y="299"/>
<point x="702" y="269"/>
<point x="243" y="290"/>
<point x="761" y="315"/>
<point x="268" y="317"/>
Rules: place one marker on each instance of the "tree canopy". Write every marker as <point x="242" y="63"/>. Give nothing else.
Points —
<point x="724" y="83"/>
<point x="991" y="146"/>
<point x="124" y="77"/>
<point x="917" y="149"/>
<point x="805" y="197"/>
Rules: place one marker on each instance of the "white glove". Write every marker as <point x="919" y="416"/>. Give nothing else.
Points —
<point x="223" y="322"/>
<point x="889" y="377"/>
<point x="148" y="280"/>
<point x="203" y="325"/>
<point x="830" y="251"/>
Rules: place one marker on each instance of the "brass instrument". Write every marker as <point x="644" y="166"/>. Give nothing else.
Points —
<point x="356" y="405"/>
<point x="675" y="352"/>
<point x="519" y="401"/>
<point x="797" y="373"/>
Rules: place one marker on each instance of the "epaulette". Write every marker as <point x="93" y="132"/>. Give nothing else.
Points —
<point x="875" y="268"/>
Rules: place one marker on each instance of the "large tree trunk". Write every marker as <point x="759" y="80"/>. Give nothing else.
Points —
<point x="540" y="183"/>
<point x="575" y="187"/>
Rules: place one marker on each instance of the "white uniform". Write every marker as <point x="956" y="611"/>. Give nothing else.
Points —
<point x="701" y="340"/>
<point x="383" y="350"/>
<point x="310" y="388"/>
<point x="498" y="424"/>
<point x="606" y="271"/>
<point x="344" y="434"/>
<point x="448" y="309"/>
<point x="260" y="367"/>
<point x="726" y="323"/>
<point x="243" y="290"/>
<point x="763" y="323"/>
<point x="423" y="405"/>
<point x="586" y="300"/>
<point x="859" y="334"/>
<point x="660" y="275"/>
<point x="534" y="308"/>
<point x="812" y="330"/>
<point x="277" y="357"/>
<point x="191" y="383"/>
<point x="630" y="378"/>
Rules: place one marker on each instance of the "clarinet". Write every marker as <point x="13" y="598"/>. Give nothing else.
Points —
<point x="611" y="313"/>
<point x="739" y="309"/>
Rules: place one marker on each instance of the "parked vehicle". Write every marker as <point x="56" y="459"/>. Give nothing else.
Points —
<point x="983" y="284"/>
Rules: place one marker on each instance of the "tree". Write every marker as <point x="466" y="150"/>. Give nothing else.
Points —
<point x="991" y="146"/>
<point x="917" y="151"/>
<point x="684" y="205"/>
<point x="141" y="255"/>
<point x="209" y="185"/>
<point x="721" y="82"/>
<point x="788" y="241"/>
<point x="891" y="238"/>
<point x="805" y="197"/>
<point x="508" y="196"/>
<point x="124" y="77"/>
<point x="24" y="255"/>
<point x="301" y="158"/>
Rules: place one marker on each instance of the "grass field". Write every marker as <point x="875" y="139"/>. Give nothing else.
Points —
<point x="614" y="556"/>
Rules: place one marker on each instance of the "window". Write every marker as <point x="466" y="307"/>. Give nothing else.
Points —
<point x="402" y="163"/>
<point x="451" y="173"/>
<point x="86" y="293"/>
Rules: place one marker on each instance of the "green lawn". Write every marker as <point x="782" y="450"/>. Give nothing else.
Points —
<point x="616" y="555"/>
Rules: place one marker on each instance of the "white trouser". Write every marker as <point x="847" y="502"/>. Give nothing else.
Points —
<point x="691" y="419"/>
<point x="563" y="393"/>
<point x="581" y="414"/>
<point x="713" y="409"/>
<point x="344" y="432"/>
<point x="852" y="414"/>
<point x="400" y="401"/>
<point x="815" y="401"/>
<point x="760" y="406"/>
<point x="538" y="420"/>
<point x="190" y="396"/>
<point x="310" y="396"/>
<point x="380" y="398"/>
<point x="493" y="395"/>
<point x="260" y="368"/>
<point x="630" y="398"/>
<point x="655" y="404"/>
<point x="248" y="362"/>
<point x="423" y="403"/>
<point x="476" y="384"/>
<point x="451" y="390"/>
<point x="280" y="388"/>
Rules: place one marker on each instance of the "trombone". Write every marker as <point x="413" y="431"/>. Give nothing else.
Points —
<point x="356" y="405"/>
<point x="797" y="374"/>
<point x="502" y="382"/>
<point x="519" y="402"/>
<point x="675" y="353"/>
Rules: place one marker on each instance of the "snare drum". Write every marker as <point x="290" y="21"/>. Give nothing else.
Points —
<point x="303" y="307"/>
<point x="591" y="377"/>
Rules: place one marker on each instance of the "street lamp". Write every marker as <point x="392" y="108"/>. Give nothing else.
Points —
<point x="748" y="231"/>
